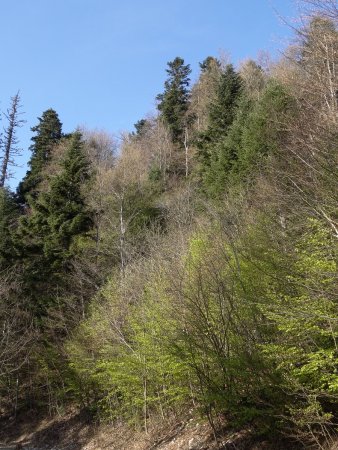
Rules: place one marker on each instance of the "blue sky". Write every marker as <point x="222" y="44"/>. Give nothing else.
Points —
<point x="101" y="63"/>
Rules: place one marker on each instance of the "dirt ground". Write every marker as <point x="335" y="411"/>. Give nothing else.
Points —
<point x="77" y="431"/>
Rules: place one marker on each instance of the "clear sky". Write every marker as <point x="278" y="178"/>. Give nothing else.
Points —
<point x="100" y="63"/>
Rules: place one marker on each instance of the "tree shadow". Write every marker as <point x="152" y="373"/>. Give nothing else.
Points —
<point x="33" y="432"/>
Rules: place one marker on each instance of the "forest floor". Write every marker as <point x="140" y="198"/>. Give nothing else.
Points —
<point x="76" y="431"/>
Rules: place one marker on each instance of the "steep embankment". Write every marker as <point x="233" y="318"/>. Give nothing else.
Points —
<point x="76" y="431"/>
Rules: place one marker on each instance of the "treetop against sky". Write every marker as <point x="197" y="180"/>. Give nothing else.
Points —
<point x="101" y="64"/>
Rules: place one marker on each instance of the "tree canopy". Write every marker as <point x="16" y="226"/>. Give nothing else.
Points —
<point x="190" y="268"/>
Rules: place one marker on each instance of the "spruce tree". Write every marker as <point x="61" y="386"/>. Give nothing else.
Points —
<point x="222" y="110"/>
<point x="48" y="133"/>
<point x="224" y="157"/>
<point x="142" y="127"/>
<point x="209" y="63"/>
<point x="46" y="236"/>
<point x="8" y="217"/>
<point x="67" y="214"/>
<point x="203" y="93"/>
<point x="221" y="114"/>
<point x="174" y="102"/>
<point x="255" y="133"/>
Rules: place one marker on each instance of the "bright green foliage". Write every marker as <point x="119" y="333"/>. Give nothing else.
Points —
<point x="174" y="102"/>
<point x="249" y="322"/>
<point x="259" y="321"/>
<point x="130" y="360"/>
<point x="48" y="133"/>
<point x="226" y="304"/>
<point x="292" y="284"/>
<point x="305" y="348"/>
<point x="222" y="330"/>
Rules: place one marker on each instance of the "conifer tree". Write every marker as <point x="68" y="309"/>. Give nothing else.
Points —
<point x="174" y="102"/>
<point x="221" y="114"/>
<point x="256" y="132"/>
<point x="48" y="133"/>
<point x="57" y="218"/>
<point x="67" y="214"/>
<point x="222" y="110"/>
<point x="223" y="160"/>
<point x="141" y="127"/>
<point x="209" y="63"/>
<point x="203" y="93"/>
<point x="8" y="216"/>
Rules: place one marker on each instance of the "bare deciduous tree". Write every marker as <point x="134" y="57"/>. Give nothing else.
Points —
<point x="9" y="142"/>
<point x="309" y="71"/>
<point x="327" y="8"/>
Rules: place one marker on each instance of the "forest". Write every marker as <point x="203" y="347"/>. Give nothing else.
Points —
<point x="191" y="266"/>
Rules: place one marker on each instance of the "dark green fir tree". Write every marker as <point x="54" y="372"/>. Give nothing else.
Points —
<point x="48" y="133"/>
<point x="47" y="236"/>
<point x="221" y="114"/>
<point x="67" y="213"/>
<point x="8" y="218"/>
<point x="174" y="102"/>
